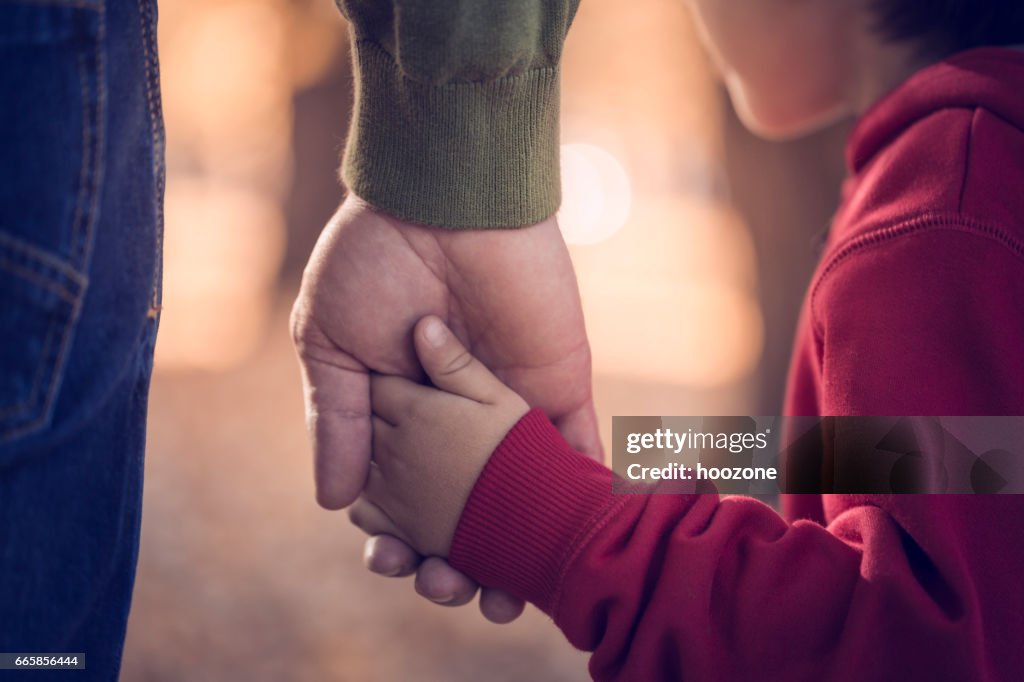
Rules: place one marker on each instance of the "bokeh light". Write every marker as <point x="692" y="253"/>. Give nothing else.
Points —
<point x="671" y="298"/>
<point x="596" y="194"/>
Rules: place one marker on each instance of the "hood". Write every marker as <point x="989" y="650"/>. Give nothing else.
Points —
<point x="990" y="78"/>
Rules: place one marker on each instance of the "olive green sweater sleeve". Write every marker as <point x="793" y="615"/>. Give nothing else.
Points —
<point x="456" y="109"/>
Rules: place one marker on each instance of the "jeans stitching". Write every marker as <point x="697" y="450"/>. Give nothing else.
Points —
<point x="93" y="139"/>
<point x="25" y="251"/>
<point x="75" y="4"/>
<point x="83" y="172"/>
<point x="38" y="278"/>
<point x="83" y="225"/>
<point x="13" y="411"/>
<point x="156" y="129"/>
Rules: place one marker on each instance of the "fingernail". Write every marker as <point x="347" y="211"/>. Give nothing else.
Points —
<point x="445" y="600"/>
<point x="435" y="333"/>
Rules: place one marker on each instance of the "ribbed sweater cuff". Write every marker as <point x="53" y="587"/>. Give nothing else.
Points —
<point x="531" y="507"/>
<point x="456" y="155"/>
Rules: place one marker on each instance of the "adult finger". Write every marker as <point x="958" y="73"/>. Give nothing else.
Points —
<point x="387" y="553"/>
<point x="499" y="606"/>
<point x="389" y="556"/>
<point x="337" y="398"/>
<point x="580" y="430"/>
<point x="371" y="519"/>
<point x="442" y="584"/>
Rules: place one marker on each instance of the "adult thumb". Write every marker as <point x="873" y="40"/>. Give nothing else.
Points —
<point x="450" y="366"/>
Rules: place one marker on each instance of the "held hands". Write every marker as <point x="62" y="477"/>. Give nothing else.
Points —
<point x="430" y="444"/>
<point x="510" y="295"/>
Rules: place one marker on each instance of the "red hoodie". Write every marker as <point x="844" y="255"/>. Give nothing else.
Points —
<point x="917" y="308"/>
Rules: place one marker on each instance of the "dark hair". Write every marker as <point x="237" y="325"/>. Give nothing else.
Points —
<point x="941" y="27"/>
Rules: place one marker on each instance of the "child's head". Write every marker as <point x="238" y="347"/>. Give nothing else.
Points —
<point x="794" y="65"/>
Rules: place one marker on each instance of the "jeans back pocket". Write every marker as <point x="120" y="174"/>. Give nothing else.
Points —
<point x="51" y="144"/>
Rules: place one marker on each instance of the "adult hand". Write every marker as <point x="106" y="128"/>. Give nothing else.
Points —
<point x="509" y="295"/>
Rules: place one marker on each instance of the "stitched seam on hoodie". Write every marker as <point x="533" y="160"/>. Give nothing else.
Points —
<point x="925" y="223"/>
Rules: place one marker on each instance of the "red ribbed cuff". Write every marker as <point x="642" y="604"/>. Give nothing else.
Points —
<point x="533" y="503"/>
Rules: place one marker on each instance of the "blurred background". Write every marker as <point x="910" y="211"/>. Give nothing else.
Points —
<point x="692" y="241"/>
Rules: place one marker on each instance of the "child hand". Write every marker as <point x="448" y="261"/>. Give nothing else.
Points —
<point x="430" y="444"/>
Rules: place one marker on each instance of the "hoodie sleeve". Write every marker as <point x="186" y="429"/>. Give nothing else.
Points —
<point x="674" y="587"/>
<point x="456" y="113"/>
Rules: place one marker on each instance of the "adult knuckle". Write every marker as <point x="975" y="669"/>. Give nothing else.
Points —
<point x="297" y="322"/>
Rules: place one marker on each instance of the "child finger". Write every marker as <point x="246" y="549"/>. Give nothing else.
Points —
<point x="385" y="447"/>
<point x="383" y="435"/>
<point x="376" y="490"/>
<point x="392" y="397"/>
<point x="450" y="366"/>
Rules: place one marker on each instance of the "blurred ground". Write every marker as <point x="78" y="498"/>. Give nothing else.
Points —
<point x="242" y="576"/>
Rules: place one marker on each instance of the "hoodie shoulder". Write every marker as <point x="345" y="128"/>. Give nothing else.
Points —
<point x="949" y="140"/>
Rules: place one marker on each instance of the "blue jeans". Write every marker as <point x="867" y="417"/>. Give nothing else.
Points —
<point x="81" y="187"/>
